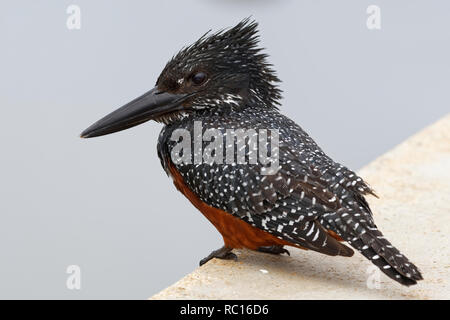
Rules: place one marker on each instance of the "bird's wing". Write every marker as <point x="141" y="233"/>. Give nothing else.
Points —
<point x="289" y="204"/>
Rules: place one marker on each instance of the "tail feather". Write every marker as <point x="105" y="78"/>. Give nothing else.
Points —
<point x="368" y="240"/>
<point x="398" y="269"/>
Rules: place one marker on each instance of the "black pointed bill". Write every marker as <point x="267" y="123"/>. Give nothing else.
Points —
<point x="149" y="106"/>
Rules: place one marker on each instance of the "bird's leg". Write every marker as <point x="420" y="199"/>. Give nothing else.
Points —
<point x="222" y="253"/>
<point x="274" y="250"/>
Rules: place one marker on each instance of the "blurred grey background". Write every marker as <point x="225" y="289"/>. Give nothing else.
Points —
<point x="105" y="204"/>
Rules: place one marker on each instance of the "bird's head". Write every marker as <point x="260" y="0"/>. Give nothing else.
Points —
<point x="221" y="70"/>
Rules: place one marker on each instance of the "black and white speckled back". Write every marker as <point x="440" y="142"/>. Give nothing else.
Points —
<point x="308" y="185"/>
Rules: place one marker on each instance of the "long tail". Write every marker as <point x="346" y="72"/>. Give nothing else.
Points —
<point x="368" y="240"/>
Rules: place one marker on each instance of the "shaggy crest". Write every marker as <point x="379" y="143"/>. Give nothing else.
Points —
<point x="237" y="70"/>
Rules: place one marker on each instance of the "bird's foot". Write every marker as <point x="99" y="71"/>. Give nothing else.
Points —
<point x="222" y="253"/>
<point x="274" y="250"/>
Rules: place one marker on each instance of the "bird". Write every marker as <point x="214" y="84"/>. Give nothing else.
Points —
<point x="224" y="82"/>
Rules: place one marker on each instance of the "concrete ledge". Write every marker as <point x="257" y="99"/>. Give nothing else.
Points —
<point x="413" y="182"/>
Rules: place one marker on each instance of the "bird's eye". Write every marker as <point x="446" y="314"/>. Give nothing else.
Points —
<point x="198" y="78"/>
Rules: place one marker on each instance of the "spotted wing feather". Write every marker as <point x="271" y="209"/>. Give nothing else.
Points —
<point x="309" y="194"/>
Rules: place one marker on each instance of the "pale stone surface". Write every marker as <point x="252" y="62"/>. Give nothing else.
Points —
<point x="413" y="183"/>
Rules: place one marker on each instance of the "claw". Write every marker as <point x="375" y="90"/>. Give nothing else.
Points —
<point x="222" y="253"/>
<point x="274" y="250"/>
